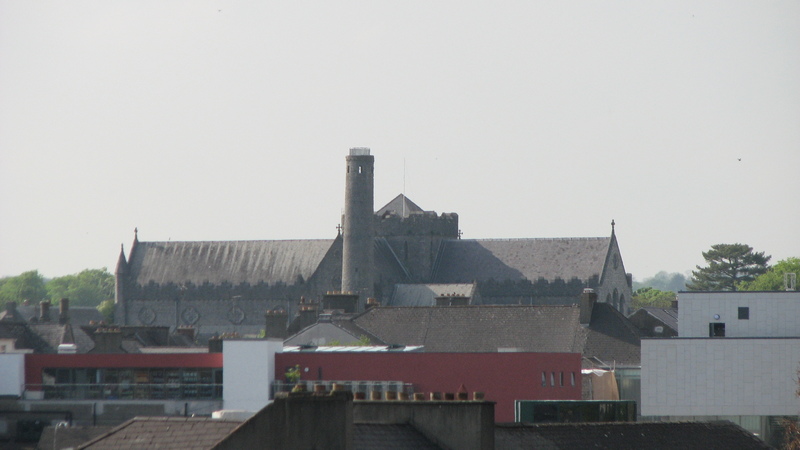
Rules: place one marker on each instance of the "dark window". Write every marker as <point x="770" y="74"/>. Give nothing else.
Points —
<point x="716" y="329"/>
<point x="544" y="379"/>
<point x="744" y="313"/>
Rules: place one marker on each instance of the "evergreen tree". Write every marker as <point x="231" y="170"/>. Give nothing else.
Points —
<point x="728" y="266"/>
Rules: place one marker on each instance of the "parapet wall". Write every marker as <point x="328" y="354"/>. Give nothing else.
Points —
<point x="418" y="224"/>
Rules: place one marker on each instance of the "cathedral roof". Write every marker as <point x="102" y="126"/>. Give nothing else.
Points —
<point x="233" y="262"/>
<point x="468" y="260"/>
<point x="400" y="206"/>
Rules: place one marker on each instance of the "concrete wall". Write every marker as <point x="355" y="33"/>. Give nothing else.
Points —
<point x="720" y="377"/>
<point x="772" y="314"/>
<point x="302" y="421"/>
<point x="249" y="370"/>
<point x="12" y="374"/>
<point x="451" y="424"/>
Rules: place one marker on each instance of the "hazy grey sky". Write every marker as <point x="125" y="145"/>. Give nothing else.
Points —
<point x="228" y="120"/>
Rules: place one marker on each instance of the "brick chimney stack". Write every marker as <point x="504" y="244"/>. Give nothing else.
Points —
<point x="44" y="311"/>
<point x="588" y="299"/>
<point x="63" y="311"/>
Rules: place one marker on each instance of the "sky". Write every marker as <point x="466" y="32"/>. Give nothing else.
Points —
<point x="231" y="120"/>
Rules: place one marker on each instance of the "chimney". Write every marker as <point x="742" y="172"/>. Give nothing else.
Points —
<point x="63" y="311"/>
<point x="44" y="311"/>
<point x="452" y="300"/>
<point x="276" y="324"/>
<point x="343" y="301"/>
<point x="11" y="311"/>
<point x="187" y="331"/>
<point x="107" y="340"/>
<point x="588" y="299"/>
<point x="675" y="303"/>
<point x="372" y="303"/>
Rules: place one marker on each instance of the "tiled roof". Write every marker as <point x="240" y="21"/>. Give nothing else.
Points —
<point x="393" y="436"/>
<point x="467" y="260"/>
<point x="629" y="435"/>
<point x="164" y="433"/>
<point x="69" y="437"/>
<point x="25" y="337"/>
<point x="233" y="262"/>
<point x="425" y="294"/>
<point x="477" y="328"/>
<point x="610" y="337"/>
<point x="53" y="333"/>
<point x="668" y="316"/>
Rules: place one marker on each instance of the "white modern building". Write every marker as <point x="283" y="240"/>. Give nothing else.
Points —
<point x="736" y="358"/>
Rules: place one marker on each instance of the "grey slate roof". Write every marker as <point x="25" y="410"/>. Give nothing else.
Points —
<point x="627" y="435"/>
<point x="609" y="337"/>
<point x="400" y="206"/>
<point x="425" y="294"/>
<point x="164" y="433"/>
<point x="231" y="262"/>
<point x="467" y="260"/>
<point x="668" y="316"/>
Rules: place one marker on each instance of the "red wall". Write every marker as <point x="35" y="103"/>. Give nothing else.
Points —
<point x="35" y="363"/>
<point x="503" y="377"/>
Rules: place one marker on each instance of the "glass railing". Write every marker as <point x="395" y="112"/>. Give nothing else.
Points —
<point x="125" y="391"/>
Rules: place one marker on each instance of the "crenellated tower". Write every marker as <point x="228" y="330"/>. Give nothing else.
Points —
<point x="357" y="228"/>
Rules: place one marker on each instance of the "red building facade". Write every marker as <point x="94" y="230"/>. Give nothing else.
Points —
<point x="502" y="377"/>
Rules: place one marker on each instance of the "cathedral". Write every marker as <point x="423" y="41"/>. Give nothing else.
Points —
<point x="399" y="255"/>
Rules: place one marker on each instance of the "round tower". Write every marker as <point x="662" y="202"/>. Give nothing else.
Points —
<point x="357" y="227"/>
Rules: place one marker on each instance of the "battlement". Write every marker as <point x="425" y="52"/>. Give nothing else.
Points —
<point x="426" y="223"/>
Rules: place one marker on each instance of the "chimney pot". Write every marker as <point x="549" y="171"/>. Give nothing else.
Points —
<point x="44" y="311"/>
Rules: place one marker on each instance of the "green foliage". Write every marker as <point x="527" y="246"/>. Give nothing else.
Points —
<point x="26" y="286"/>
<point x="87" y="288"/>
<point x="663" y="281"/>
<point x="772" y="280"/>
<point x="728" y="266"/>
<point x="648" y="296"/>
<point x="293" y="374"/>
<point x="106" y="308"/>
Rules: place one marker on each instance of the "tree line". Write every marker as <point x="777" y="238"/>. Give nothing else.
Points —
<point x="729" y="267"/>
<point x="90" y="287"/>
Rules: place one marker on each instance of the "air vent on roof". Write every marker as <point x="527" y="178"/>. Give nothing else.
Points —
<point x="790" y="281"/>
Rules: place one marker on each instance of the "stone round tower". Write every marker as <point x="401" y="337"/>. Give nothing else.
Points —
<point x="357" y="227"/>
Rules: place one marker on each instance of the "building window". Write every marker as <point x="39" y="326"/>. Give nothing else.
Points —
<point x="744" y="313"/>
<point x="716" y="329"/>
<point x="544" y="379"/>
<point x="561" y="378"/>
<point x="572" y="378"/>
<point x="552" y="378"/>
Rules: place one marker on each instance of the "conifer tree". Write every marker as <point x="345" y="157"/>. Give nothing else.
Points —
<point x="728" y="265"/>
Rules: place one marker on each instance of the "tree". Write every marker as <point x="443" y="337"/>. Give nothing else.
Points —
<point x="728" y="266"/>
<point x="26" y="286"/>
<point x="87" y="288"/>
<point x="663" y="281"/>
<point x="106" y="308"/>
<point x="648" y="296"/>
<point x="772" y="280"/>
